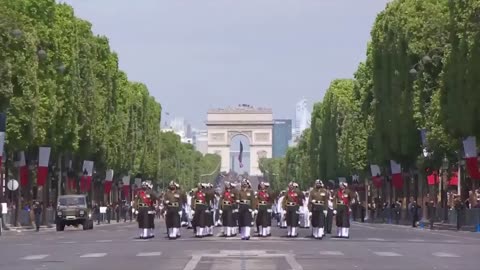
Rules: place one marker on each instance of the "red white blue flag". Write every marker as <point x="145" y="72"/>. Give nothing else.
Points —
<point x="240" y="155"/>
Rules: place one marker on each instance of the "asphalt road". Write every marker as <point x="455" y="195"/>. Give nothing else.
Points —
<point x="371" y="246"/>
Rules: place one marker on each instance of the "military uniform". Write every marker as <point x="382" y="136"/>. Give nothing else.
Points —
<point x="291" y="204"/>
<point x="330" y="213"/>
<point x="173" y="200"/>
<point x="342" y="200"/>
<point x="144" y="200"/>
<point x="263" y="205"/>
<point x="282" y="222"/>
<point x="317" y="205"/>
<point x="209" y="212"/>
<point x="199" y="205"/>
<point x="227" y="206"/>
<point x="245" y="202"/>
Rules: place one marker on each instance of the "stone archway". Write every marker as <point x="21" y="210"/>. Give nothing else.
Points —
<point x="235" y="165"/>
<point x="252" y="126"/>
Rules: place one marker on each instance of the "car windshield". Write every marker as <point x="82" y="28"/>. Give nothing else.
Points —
<point x="72" y="201"/>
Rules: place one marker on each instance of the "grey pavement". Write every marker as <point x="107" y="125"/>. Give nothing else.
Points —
<point x="371" y="246"/>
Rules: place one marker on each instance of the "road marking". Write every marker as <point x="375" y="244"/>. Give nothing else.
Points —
<point x="103" y="241"/>
<point x="35" y="257"/>
<point x="93" y="255"/>
<point x="387" y="254"/>
<point x="445" y="255"/>
<point x="375" y="239"/>
<point x="416" y="240"/>
<point x="192" y="264"/>
<point x="141" y="240"/>
<point x="293" y="263"/>
<point x="451" y="241"/>
<point x="332" y="253"/>
<point x="68" y="242"/>
<point x="149" y="254"/>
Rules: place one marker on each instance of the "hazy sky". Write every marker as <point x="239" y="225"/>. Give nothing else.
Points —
<point x="199" y="54"/>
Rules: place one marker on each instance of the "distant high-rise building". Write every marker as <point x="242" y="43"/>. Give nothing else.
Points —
<point x="282" y="134"/>
<point x="302" y="118"/>
<point x="188" y="132"/>
<point x="200" y="141"/>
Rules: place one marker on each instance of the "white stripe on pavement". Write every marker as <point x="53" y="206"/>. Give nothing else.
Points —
<point x="103" y="241"/>
<point x="416" y="240"/>
<point x="68" y="242"/>
<point x="445" y="255"/>
<point x="387" y="254"/>
<point x="93" y="255"/>
<point x="35" y="257"/>
<point x="332" y="253"/>
<point x="375" y="239"/>
<point x="149" y="254"/>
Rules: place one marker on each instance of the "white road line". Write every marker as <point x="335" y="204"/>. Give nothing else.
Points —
<point x="149" y="254"/>
<point x="35" y="257"/>
<point x="445" y="255"/>
<point x="451" y="241"/>
<point x="293" y="263"/>
<point x="141" y="240"/>
<point x="93" y="255"/>
<point x="416" y="240"/>
<point x="103" y="241"/>
<point x="332" y="253"/>
<point x="68" y="242"/>
<point x="375" y="239"/>
<point x="192" y="264"/>
<point x="387" y="254"/>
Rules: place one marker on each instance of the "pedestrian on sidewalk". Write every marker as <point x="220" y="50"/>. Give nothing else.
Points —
<point x="414" y="212"/>
<point x="37" y="212"/>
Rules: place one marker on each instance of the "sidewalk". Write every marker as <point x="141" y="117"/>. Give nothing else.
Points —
<point x="52" y="227"/>
<point x="439" y="226"/>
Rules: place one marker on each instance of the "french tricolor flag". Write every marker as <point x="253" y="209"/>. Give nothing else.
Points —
<point x="397" y="180"/>
<point x="470" y="149"/>
<point x="22" y="164"/>
<point x="42" y="170"/>
<point x="86" y="181"/>
<point x="376" y="175"/>
<point x="108" y="181"/>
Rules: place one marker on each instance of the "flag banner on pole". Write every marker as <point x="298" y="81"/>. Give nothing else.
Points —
<point x="43" y="160"/>
<point x="240" y="155"/>
<point x="453" y="181"/>
<point x="2" y="143"/>
<point x="432" y="176"/>
<point x="108" y="181"/>
<point x="470" y="149"/>
<point x="71" y="183"/>
<point x="138" y="182"/>
<point x="126" y="186"/>
<point x="376" y="175"/>
<point x="22" y="165"/>
<point x="355" y="179"/>
<point x="86" y="181"/>
<point x="397" y="179"/>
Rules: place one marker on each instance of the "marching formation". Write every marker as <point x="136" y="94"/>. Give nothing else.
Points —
<point x="238" y="209"/>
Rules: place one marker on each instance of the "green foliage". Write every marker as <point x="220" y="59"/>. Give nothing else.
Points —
<point x="376" y="117"/>
<point x="61" y="86"/>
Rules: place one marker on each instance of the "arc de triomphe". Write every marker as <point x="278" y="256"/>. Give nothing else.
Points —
<point x="244" y="127"/>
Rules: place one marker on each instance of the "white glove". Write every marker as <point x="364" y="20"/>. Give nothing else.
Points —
<point x="250" y="210"/>
<point x="325" y="212"/>
<point x="207" y="211"/>
<point x="284" y="212"/>
<point x="136" y="212"/>
<point x="235" y="211"/>
<point x="255" y="211"/>
<point x="220" y="212"/>
<point x="269" y="210"/>
<point x="180" y="213"/>
<point x="334" y="212"/>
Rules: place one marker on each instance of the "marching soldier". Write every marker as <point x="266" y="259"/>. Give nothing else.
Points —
<point x="245" y="211"/>
<point x="343" y="198"/>
<point x="305" y="221"/>
<point x="199" y="205"/>
<point x="173" y="199"/>
<point x="282" y="223"/>
<point x="144" y="203"/>
<point x="210" y="196"/>
<point x="317" y="205"/>
<point x="227" y="206"/>
<point x="291" y="205"/>
<point x="263" y="205"/>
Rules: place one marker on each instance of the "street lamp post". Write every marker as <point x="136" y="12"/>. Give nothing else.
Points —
<point x="445" y="165"/>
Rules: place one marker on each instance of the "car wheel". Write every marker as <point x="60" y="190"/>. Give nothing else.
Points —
<point x="86" y="225"/>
